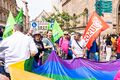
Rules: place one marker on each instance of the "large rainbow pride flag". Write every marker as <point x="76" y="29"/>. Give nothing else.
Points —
<point x="76" y="69"/>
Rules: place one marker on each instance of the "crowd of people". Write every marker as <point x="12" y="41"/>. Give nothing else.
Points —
<point x="69" y="46"/>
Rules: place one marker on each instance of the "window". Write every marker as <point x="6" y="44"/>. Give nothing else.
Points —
<point x="0" y="16"/>
<point x="4" y="17"/>
<point x="5" y="5"/>
<point x="8" y="5"/>
<point x="2" y="3"/>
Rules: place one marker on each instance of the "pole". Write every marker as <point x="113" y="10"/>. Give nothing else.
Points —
<point x="99" y="13"/>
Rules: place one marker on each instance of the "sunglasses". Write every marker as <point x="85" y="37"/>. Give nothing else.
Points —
<point x="65" y="34"/>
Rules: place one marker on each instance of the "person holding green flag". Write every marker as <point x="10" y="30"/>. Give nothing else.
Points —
<point x="57" y="33"/>
<point x="19" y="48"/>
<point x="48" y="45"/>
<point x="56" y="30"/>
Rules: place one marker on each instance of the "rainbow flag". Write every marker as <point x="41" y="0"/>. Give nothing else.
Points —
<point x="78" y="69"/>
<point x="22" y="71"/>
<point x="58" y="69"/>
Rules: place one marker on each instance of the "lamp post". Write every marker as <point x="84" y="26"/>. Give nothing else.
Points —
<point x="26" y="14"/>
<point x="99" y="12"/>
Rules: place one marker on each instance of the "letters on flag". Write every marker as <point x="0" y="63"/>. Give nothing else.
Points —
<point x="94" y="27"/>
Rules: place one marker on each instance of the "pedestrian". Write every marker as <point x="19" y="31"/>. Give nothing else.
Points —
<point x="78" y="46"/>
<point x="118" y="47"/>
<point x="64" y="45"/>
<point x="20" y="47"/>
<point x="48" y="45"/>
<point x="39" y="44"/>
<point x="94" y="51"/>
<point x="70" y="53"/>
<point x="108" y="47"/>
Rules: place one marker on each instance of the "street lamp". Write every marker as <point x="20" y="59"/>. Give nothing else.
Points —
<point x="26" y="13"/>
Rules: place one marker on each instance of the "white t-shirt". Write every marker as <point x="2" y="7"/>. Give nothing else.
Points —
<point x="77" y="49"/>
<point x="19" y="47"/>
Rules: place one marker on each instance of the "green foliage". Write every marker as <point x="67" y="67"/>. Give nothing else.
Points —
<point x="64" y="18"/>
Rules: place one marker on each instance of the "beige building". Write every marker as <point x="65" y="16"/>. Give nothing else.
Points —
<point x="42" y="24"/>
<point x="77" y="6"/>
<point x="5" y="7"/>
<point x="57" y="4"/>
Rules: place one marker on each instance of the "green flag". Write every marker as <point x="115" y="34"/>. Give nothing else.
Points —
<point x="9" y="26"/>
<point x="49" y="26"/>
<point x="56" y="31"/>
<point x="19" y="17"/>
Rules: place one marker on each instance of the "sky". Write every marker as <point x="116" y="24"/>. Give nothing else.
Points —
<point x="36" y="7"/>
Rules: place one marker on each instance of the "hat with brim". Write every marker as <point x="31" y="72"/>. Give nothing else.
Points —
<point x="36" y="33"/>
<point x="65" y="32"/>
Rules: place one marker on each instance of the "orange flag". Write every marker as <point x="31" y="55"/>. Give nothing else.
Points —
<point x="94" y="27"/>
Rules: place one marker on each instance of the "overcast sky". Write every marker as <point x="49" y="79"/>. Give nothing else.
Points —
<point x="36" y="6"/>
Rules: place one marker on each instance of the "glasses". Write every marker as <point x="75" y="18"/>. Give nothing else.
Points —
<point x="65" y="34"/>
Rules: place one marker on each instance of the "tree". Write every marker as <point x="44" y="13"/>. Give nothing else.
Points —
<point x="65" y="19"/>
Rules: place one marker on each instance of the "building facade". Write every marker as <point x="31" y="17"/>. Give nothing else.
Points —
<point x="42" y="24"/>
<point x="5" y="7"/>
<point x="77" y="6"/>
<point x="57" y="4"/>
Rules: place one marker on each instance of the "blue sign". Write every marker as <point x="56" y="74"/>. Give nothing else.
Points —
<point x="34" y="24"/>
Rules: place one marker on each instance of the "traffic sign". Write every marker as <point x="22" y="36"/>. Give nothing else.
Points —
<point x="103" y="6"/>
<point x="34" y="24"/>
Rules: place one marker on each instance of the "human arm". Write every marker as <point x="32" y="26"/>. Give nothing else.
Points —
<point x="3" y="47"/>
<point x="33" y="48"/>
<point x="43" y="49"/>
<point x="47" y="47"/>
<point x="46" y="43"/>
<point x="41" y="54"/>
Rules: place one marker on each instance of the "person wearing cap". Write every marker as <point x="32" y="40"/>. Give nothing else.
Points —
<point x="64" y="44"/>
<point x="118" y="47"/>
<point x="20" y="47"/>
<point x="38" y="41"/>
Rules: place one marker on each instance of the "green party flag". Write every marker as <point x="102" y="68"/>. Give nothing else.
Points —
<point x="50" y="26"/>
<point x="19" y="17"/>
<point x="56" y="31"/>
<point x="9" y="26"/>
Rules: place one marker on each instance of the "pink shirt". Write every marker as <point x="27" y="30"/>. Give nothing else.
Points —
<point x="64" y="44"/>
